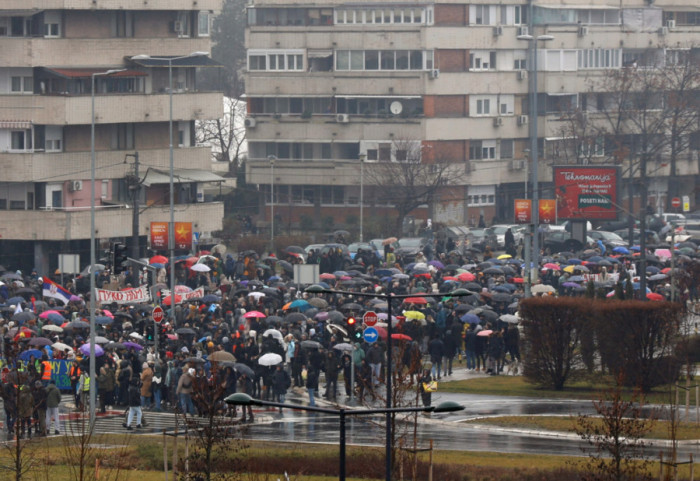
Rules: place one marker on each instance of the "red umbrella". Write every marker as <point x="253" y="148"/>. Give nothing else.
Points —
<point x="401" y="337"/>
<point x="415" y="300"/>
<point x="665" y="270"/>
<point x="381" y="331"/>
<point x="484" y="333"/>
<point x="449" y="278"/>
<point x="166" y="301"/>
<point x="158" y="260"/>
<point x="327" y="276"/>
<point x="653" y="296"/>
<point x="466" y="277"/>
<point x="518" y="280"/>
<point x="251" y="314"/>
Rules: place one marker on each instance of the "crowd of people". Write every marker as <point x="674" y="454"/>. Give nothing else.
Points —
<point x="258" y="332"/>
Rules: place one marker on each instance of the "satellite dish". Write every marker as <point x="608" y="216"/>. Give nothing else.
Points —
<point x="396" y="107"/>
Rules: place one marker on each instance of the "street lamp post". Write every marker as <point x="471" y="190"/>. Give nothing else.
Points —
<point x="272" y="159"/>
<point x="388" y="298"/>
<point x="93" y="384"/>
<point x="242" y="399"/>
<point x="171" y="230"/>
<point x="534" y="153"/>
<point x="362" y="195"/>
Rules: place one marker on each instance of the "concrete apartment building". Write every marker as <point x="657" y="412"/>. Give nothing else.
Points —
<point x="329" y="82"/>
<point x="49" y="51"/>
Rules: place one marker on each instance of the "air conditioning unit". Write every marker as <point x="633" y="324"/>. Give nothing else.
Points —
<point x="250" y="122"/>
<point x="582" y="31"/>
<point x="497" y="121"/>
<point x="663" y="31"/>
<point x="517" y="164"/>
<point x="522" y="74"/>
<point x="671" y="24"/>
<point x="342" y="118"/>
<point x="522" y="119"/>
<point x="434" y="73"/>
<point x="75" y="185"/>
<point x="523" y="30"/>
<point x="497" y="31"/>
<point x="178" y="27"/>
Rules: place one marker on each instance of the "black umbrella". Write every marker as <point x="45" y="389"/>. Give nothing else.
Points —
<point x="285" y="265"/>
<point x="114" y="345"/>
<point x="186" y="331"/>
<point x="24" y="316"/>
<point x="488" y="315"/>
<point x="473" y="286"/>
<point x="78" y="325"/>
<point x="243" y="369"/>
<point x="273" y="319"/>
<point x="335" y="316"/>
<point x="123" y="314"/>
<point x="294" y="317"/>
<point x="463" y="308"/>
<point x="351" y="306"/>
<point x="269" y="291"/>
<point x="195" y="360"/>
<point x="494" y="271"/>
<point x="25" y="292"/>
<point x="295" y="249"/>
<point x="501" y="297"/>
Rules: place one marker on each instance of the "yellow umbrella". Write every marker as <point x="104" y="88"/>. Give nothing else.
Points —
<point x="414" y="315"/>
<point x="505" y="256"/>
<point x="569" y="269"/>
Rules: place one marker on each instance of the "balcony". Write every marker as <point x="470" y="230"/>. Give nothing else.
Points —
<point x="66" y="225"/>
<point x="109" y="109"/>
<point x="110" y="5"/>
<point x="475" y="128"/>
<point x="109" y="165"/>
<point x="108" y="52"/>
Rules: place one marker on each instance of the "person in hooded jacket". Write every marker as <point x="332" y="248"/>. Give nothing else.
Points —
<point x="134" y="395"/>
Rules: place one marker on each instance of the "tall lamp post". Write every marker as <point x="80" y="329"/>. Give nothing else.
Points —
<point x="388" y="298"/>
<point x="534" y="153"/>
<point x="93" y="384"/>
<point x="242" y="399"/>
<point x="362" y="195"/>
<point x="272" y="159"/>
<point x="171" y="230"/>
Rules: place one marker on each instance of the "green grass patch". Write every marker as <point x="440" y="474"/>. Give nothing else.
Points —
<point x="585" y="389"/>
<point x="660" y="429"/>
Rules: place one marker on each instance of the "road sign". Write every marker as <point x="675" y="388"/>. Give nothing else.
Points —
<point x="370" y="335"/>
<point x="157" y="314"/>
<point x="676" y="202"/>
<point x="686" y="203"/>
<point x="370" y="318"/>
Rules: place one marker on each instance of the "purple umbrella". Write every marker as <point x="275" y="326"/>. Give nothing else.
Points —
<point x="570" y="284"/>
<point x="133" y="345"/>
<point x="437" y="264"/>
<point x="74" y="298"/>
<point x="321" y="316"/>
<point x="85" y="349"/>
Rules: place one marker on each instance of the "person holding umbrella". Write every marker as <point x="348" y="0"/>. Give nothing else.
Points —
<point x="281" y="381"/>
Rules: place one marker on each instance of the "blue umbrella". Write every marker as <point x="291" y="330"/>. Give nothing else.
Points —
<point x="635" y="248"/>
<point x="56" y="318"/>
<point x="595" y="259"/>
<point x="210" y="298"/>
<point x="383" y="273"/>
<point x="16" y="300"/>
<point x="104" y="320"/>
<point x="501" y="289"/>
<point x="325" y="285"/>
<point x="158" y="265"/>
<point x="577" y="279"/>
<point x="653" y="270"/>
<point x="299" y="304"/>
<point x="621" y="250"/>
<point x="575" y="261"/>
<point x="613" y="260"/>
<point x="25" y="355"/>
<point x="470" y="318"/>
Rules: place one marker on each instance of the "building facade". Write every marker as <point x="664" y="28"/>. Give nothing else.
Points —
<point x="330" y="82"/>
<point x="51" y="53"/>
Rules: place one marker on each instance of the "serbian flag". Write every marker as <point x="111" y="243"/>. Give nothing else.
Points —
<point x="51" y="289"/>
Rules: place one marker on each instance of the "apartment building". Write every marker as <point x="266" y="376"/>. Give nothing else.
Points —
<point x="51" y="52"/>
<point x="330" y="82"/>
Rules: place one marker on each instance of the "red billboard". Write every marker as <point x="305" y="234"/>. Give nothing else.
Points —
<point x="586" y="192"/>
<point x="523" y="211"/>
<point x="159" y="235"/>
<point x="548" y="211"/>
<point x="183" y="235"/>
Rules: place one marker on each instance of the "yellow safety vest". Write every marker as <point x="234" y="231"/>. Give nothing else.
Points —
<point x="86" y="383"/>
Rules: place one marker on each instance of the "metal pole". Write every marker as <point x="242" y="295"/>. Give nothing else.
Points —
<point x="535" y="161"/>
<point x="171" y="230"/>
<point x="93" y="384"/>
<point x="389" y="403"/>
<point x="135" y="218"/>
<point x="352" y="373"/>
<point x="362" y="196"/>
<point x="272" y="159"/>
<point x="527" y="253"/>
<point x="341" y="472"/>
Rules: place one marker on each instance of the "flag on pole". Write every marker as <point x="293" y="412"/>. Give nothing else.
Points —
<point x="51" y="289"/>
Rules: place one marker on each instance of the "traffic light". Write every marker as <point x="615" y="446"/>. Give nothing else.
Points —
<point x="357" y="335"/>
<point x="119" y="258"/>
<point x="352" y="322"/>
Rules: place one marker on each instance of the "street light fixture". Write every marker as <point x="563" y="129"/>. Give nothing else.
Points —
<point x="534" y="154"/>
<point x="242" y="399"/>
<point x="388" y="298"/>
<point x="93" y="388"/>
<point x="171" y="230"/>
<point x="363" y="157"/>
<point x="272" y="159"/>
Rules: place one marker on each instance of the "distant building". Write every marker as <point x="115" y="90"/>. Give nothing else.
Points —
<point x="49" y="51"/>
<point x="329" y="82"/>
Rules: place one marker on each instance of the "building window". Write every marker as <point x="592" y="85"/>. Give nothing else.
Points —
<point x="203" y="24"/>
<point x="482" y="14"/>
<point x="21" y="140"/>
<point x="482" y="60"/>
<point x="482" y="150"/>
<point x="52" y="30"/>
<point x="594" y="58"/>
<point x="483" y="107"/>
<point x="388" y="60"/>
<point x="276" y="60"/>
<point x="387" y="16"/>
<point x="520" y="60"/>
<point x="22" y="85"/>
<point x="54" y="145"/>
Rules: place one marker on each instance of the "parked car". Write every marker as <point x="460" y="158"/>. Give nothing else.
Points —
<point x="609" y="239"/>
<point x="652" y="237"/>
<point x="500" y="231"/>
<point x="357" y="246"/>
<point x="561" y="241"/>
<point x="409" y="247"/>
<point x="482" y="238"/>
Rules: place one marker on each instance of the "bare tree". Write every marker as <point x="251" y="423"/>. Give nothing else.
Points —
<point x="408" y="175"/>
<point x="227" y="134"/>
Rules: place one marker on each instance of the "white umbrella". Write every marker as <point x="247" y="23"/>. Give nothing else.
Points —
<point x="270" y="359"/>
<point x="52" y="328"/>
<point x="344" y="346"/>
<point x="200" y="268"/>
<point x="509" y="318"/>
<point x="59" y="346"/>
<point x="136" y="335"/>
<point x="542" y="288"/>
<point x="256" y="295"/>
<point x="101" y="340"/>
<point x="274" y="333"/>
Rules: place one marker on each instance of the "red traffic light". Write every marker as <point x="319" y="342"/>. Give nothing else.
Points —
<point x="351" y="321"/>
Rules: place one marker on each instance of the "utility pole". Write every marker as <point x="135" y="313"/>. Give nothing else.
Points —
<point x="135" y="189"/>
